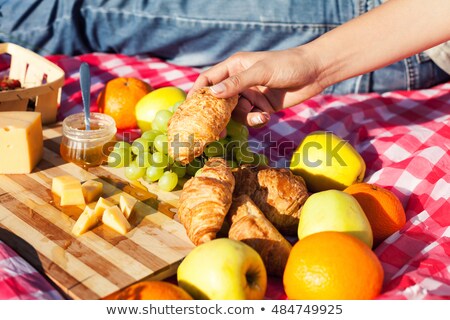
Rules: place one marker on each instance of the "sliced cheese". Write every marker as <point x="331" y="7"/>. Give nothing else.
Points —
<point x="87" y="220"/>
<point x="101" y="206"/>
<point x="92" y="190"/>
<point x="126" y="205"/>
<point x="114" y="218"/>
<point x="21" y="141"/>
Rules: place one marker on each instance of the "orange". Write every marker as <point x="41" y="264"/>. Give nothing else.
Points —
<point x="382" y="208"/>
<point x="332" y="265"/>
<point x="151" y="290"/>
<point x="119" y="98"/>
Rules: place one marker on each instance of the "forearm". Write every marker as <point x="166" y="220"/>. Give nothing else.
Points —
<point x="389" y="33"/>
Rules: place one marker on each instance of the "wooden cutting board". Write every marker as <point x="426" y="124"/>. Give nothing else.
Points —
<point x="100" y="261"/>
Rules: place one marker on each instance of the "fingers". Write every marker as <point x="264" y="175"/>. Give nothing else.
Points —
<point x="250" y="116"/>
<point x="237" y="83"/>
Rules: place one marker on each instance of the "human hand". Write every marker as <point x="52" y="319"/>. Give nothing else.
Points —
<point x="266" y="82"/>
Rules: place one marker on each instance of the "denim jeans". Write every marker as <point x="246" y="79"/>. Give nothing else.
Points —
<point x="199" y="32"/>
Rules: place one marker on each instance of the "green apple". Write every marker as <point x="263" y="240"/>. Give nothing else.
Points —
<point x="223" y="269"/>
<point x="159" y="99"/>
<point x="325" y="161"/>
<point x="334" y="210"/>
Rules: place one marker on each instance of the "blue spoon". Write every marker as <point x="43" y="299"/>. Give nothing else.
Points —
<point x="85" y="84"/>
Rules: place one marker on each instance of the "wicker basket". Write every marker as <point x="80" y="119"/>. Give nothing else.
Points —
<point x="41" y="83"/>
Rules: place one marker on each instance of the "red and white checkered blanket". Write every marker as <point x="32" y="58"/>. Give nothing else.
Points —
<point x="404" y="138"/>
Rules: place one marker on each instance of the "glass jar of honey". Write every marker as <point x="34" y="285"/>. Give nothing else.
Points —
<point x="87" y="148"/>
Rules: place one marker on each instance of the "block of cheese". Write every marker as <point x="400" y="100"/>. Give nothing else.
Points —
<point x="87" y="220"/>
<point x="101" y="206"/>
<point x="114" y="218"/>
<point x="21" y="141"/>
<point x="92" y="190"/>
<point x="69" y="190"/>
<point x="126" y="205"/>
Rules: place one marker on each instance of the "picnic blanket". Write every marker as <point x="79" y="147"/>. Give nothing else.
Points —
<point x="403" y="136"/>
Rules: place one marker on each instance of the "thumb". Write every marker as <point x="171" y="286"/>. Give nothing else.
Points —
<point x="235" y="84"/>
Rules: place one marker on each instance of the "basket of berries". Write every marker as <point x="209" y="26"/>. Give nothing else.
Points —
<point x="29" y="83"/>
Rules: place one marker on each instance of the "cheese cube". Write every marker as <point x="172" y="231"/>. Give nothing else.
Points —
<point x="126" y="205"/>
<point x="87" y="220"/>
<point x="92" y="190"/>
<point x="114" y="218"/>
<point x="21" y="141"/>
<point x="101" y="206"/>
<point x="69" y="190"/>
<point x="62" y="182"/>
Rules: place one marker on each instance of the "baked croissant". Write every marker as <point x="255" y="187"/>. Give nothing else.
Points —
<point x="249" y="225"/>
<point x="278" y="193"/>
<point x="198" y="121"/>
<point x="205" y="200"/>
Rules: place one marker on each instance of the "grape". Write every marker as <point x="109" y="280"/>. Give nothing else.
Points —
<point x="150" y="135"/>
<point x="161" y="143"/>
<point x="154" y="173"/>
<point x="140" y="145"/>
<point x="243" y="155"/>
<point x="237" y="130"/>
<point x="168" y="181"/>
<point x="216" y="148"/>
<point x="193" y="166"/>
<point x="159" y="160"/>
<point x="143" y="159"/>
<point x="161" y="120"/>
<point x="175" y="106"/>
<point x="122" y="144"/>
<point x="134" y="171"/>
<point x="178" y="169"/>
<point x="199" y="171"/>
<point x="119" y="157"/>
<point x="260" y="160"/>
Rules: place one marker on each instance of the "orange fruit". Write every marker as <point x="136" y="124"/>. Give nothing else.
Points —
<point x="332" y="265"/>
<point x="382" y="208"/>
<point x="151" y="290"/>
<point x="119" y="98"/>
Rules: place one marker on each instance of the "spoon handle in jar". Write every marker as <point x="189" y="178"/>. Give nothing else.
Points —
<point x="85" y="84"/>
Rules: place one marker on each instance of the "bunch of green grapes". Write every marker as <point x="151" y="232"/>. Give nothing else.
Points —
<point x="147" y="156"/>
<point x="235" y="147"/>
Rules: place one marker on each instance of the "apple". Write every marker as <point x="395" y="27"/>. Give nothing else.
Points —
<point x="159" y="99"/>
<point x="334" y="210"/>
<point x="223" y="269"/>
<point x="325" y="161"/>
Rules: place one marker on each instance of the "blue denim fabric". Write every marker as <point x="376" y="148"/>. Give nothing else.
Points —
<point x="198" y="32"/>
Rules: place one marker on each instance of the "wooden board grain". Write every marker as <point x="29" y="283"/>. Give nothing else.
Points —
<point x="100" y="261"/>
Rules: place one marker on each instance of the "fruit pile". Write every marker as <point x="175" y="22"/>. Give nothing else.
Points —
<point x="338" y="224"/>
<point x="133" y="103"/>
<point x="9" y="84"/>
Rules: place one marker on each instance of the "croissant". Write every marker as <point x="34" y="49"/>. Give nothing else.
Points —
<point x="198" y="121"/>
<point x="278" y="193"/>
<point x="249" y="225"/>
<point x="205" y="200"/>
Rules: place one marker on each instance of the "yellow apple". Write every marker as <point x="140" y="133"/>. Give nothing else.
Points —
<point x="223" y="269"/>
<point x="334" y="210"/>
<point x="326" y="161"/>
<point x="159" y="99"/>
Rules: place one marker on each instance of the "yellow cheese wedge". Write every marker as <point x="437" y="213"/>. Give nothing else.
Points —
<point x="126" y="205"/>
<point x="87" y="220"/>
<point x="114" y="218"/>
<point x="62" y="182"/>
<point x="101" y="206"/>
<point x="92" y="190"/>
<point x="21" y="141"/>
